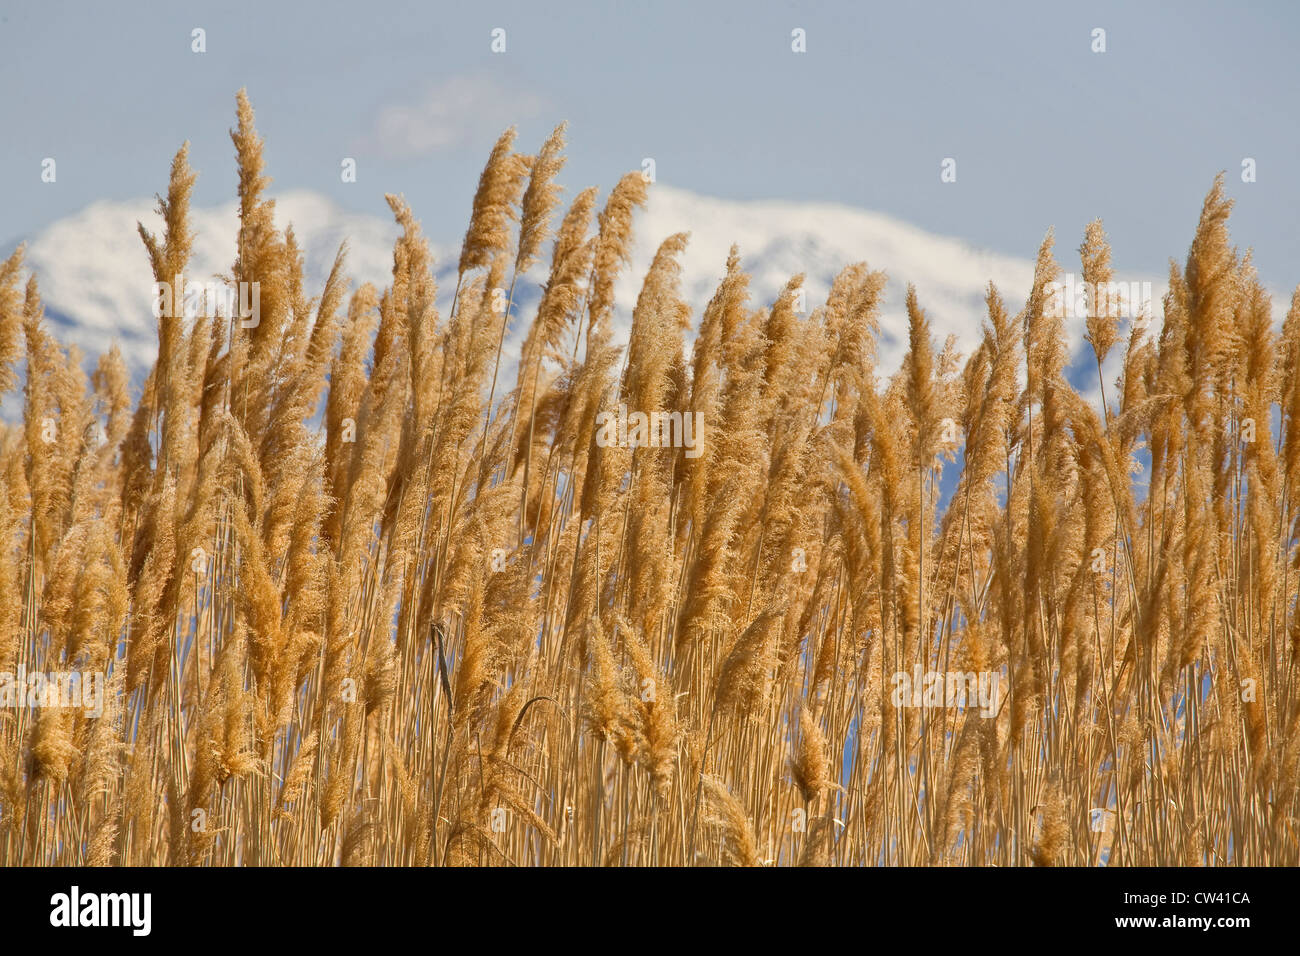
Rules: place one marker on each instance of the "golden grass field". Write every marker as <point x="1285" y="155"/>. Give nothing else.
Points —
<point x="362" y="599"/>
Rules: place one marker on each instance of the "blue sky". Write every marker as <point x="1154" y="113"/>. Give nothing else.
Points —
<point x="1044" y="131"/>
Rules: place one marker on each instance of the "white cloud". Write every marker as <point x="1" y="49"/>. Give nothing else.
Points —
<point x="460" y="109"/>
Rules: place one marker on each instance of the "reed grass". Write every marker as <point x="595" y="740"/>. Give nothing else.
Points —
<point x="361" y="601"/>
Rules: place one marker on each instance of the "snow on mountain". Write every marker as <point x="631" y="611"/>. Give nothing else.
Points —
<point x="779" y="239"/>
<point x="96" y="283"/>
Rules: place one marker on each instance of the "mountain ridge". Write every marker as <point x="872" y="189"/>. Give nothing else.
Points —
<point x="97" y="288"/>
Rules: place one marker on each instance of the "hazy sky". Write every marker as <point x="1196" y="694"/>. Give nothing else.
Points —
<point x="1044" y="131"/>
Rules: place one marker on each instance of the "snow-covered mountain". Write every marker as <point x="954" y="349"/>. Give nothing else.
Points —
<point x="779" y="239"/>
<point x="97" y="287"/>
